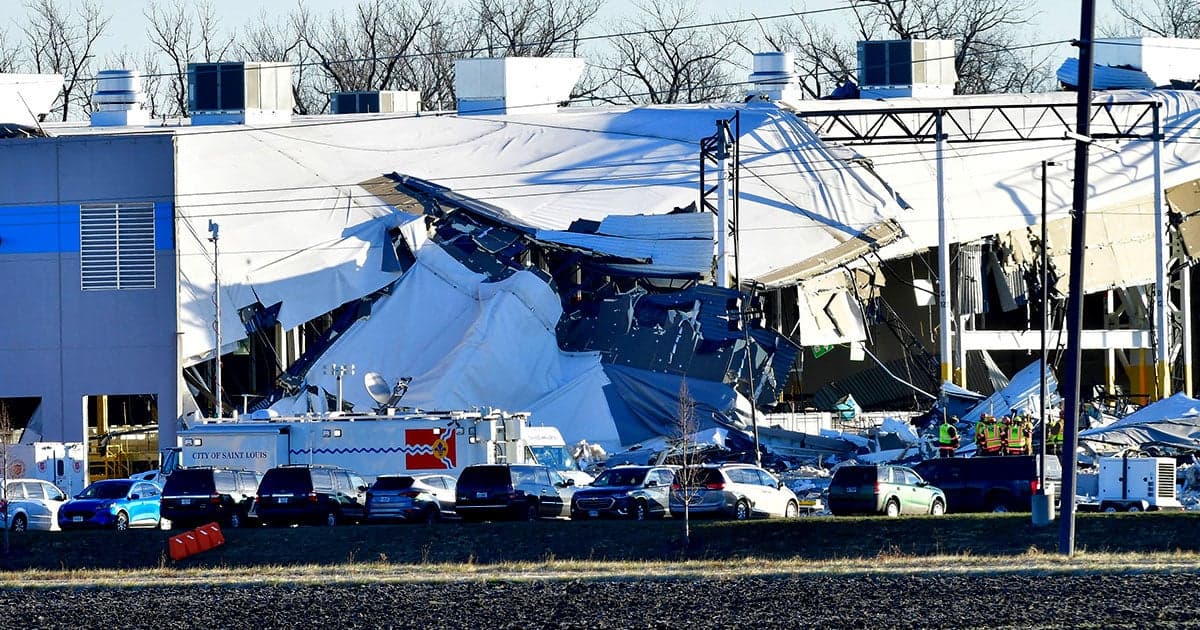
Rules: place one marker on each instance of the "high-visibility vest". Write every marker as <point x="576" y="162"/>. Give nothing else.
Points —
<point x="947" y="435"/>
<point x="1016" y="437"/>
<point x="1056" y="432"/>
<point x="992" y="437"/>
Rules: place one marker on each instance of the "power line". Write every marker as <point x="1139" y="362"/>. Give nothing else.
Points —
<point x="452" y="177"/>
<point x="775" y="170"/>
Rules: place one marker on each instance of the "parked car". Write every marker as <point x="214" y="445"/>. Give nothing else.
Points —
<point x="515" y="491"/>
<point x="636" y="492"/>
<point x="194" y="496"/>
<point x="423" y="498"/>
<point x="990" y="484"/>
<point x="297" y="493"/>
<point x="738" y="491"/>
<point x="31" y="504"/>
<point x="116" y="503"/>
<point x="883" y="489"/>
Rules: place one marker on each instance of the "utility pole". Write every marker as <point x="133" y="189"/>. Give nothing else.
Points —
<point x="218" y="408"/>
<point x="1087" y="27"/>
<point x="1043" y="503"/>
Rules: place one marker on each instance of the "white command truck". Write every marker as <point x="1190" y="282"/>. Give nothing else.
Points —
<point x="371" y="445"/>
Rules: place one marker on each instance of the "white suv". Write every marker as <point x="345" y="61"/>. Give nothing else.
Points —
<point x="739" y="491"/>
<point x="32" y="504"/>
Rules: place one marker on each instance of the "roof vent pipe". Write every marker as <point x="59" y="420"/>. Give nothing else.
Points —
<point x="118" y="99"/>
<point x="774" y="78"/>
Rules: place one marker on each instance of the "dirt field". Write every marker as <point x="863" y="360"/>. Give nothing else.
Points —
<point x="865" y="601"/>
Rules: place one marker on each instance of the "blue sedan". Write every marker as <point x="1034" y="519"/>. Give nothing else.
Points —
<point x="115" y="503"/>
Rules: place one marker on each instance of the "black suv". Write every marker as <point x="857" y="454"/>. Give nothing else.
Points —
<point x="990" y="484"/>
<point x="193" y="496"/>
<point x="515" y="491"/>
<point x="635" y="492"/>
<point x="310" y="494"/>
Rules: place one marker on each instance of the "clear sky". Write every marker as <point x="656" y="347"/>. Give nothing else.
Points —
<point x="1057" y="19"/>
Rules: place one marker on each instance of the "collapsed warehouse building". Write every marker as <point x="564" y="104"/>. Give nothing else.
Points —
<point x="581" y="263"/>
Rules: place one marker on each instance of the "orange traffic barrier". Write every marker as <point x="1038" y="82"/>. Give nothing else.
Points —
<point x="194" y="541"/>
<point x="213" y="531"/>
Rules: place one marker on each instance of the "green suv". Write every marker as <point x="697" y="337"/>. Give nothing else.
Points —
<point x="883" y="489"/>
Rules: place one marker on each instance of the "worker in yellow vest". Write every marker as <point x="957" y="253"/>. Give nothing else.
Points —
<point x="1014" y="437"/>
<point x="947" y="437"/>
<point x="992" y="435"/>
<point x="1054" y="435"/>
<point x="1027" y="427"/>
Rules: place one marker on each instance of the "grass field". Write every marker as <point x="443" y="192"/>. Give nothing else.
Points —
<point x="808" y="541"/>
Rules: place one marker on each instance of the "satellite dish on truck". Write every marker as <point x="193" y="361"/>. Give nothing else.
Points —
<point x="383" y="393"/>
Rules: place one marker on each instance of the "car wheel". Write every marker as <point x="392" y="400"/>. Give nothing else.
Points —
<point x="741" y="511"/>
<point x="938" y="508"/>
<point x="1000" y="507"/>
<point x="20" y="523"/>
<point x="531" y="511"/>
<point x="639" y="512"/>
<point x="1135" y="508"/>
<point x="122" y="523"/>
<point x="893" y="508"/>
<point x="432" y="515"/>
<point x="235" y="521"/>
<point x="331" y="519"/>
<point x="792" y="510"/>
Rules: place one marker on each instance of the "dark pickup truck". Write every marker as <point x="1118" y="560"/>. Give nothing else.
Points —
<point x="990" y="484"/>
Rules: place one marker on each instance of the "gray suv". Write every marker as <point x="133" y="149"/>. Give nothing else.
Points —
<point x="738" y="491"/>
<point x="635" y="492"/>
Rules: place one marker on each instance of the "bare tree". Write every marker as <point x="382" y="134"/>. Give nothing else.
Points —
<point x="1164" y="18"/>
<point x="662" y="58"/>
<point x="453" y="35"/>
<point x="365" y="49"/>
<point x="185" y="34"/>
<point x="276" y="39"/>
<point x="687" y="478"/>
<point x="532" y="28"/>
<point x="9" y="53"/>
<point x="6" y="434"/>
<point x="63" y="42"/>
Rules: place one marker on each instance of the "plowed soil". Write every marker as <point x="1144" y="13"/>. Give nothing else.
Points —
<point x="1138" y="600"/>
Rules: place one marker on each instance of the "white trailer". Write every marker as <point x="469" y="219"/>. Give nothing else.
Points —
<point x="61" y="463"/>
<point x="371" y="445"/>
<point x="1137" y="484"/>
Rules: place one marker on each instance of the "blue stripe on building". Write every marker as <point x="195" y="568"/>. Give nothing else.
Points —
<point x="52" y="229"/>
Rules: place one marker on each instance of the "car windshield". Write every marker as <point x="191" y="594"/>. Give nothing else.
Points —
<point x="107" y="490"/>
<point x="287" y="480"/>
<point x="855" y="475"/>
<point x="184" y="481"/>
<point x="393" y="483"/>
<point x="612" y="478"/>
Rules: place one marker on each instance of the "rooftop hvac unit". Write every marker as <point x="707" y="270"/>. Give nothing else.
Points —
<point x="514" y="85"/>
<point x="118" y="99"/>
<point x="1163" y="59"/>
<point x="905" y="68"/>
<point x="375" y="102"/>
<point x="239" y="92"/>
